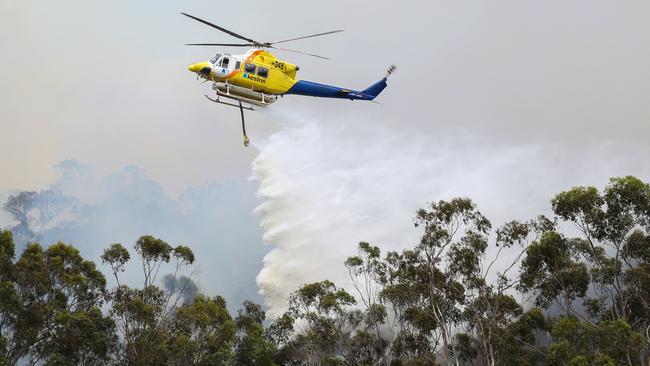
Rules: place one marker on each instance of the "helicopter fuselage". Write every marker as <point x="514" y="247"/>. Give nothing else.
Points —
<point x="258" y="77"/>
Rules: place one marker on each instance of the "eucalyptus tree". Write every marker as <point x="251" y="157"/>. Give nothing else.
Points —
<point x="34" y="211"/>
<point x="373" y="339"/>
<point x="498" y="329"/>
<point x="144" y="315"/>
<point x="202" y="333"/>
<point x="253" y="347"/>
<point x="50" y="308"/>
<point x="444" y="296"/>
<point x="599" y="279"/>
<point x="421" y="284"/>
<point x="317" y="327"/>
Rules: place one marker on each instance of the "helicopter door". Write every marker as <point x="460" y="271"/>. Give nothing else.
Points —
<point x="225" y="66"/>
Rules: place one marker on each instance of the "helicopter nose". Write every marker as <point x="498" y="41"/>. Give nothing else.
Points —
<point x="201" y="67"/>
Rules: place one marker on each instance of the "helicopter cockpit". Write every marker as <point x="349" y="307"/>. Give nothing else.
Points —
<point x="221" y="60"/>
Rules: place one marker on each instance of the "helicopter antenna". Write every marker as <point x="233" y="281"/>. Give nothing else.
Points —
<point x="253" y="43"/>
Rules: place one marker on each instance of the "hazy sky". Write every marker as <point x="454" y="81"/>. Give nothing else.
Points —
<point x="523" y="92"/>
<point x="106" y="82"/>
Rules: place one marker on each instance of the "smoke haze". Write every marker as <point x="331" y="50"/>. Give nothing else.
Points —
<point x="505" y="102"/>
<point x="215" y="220"/>
<point x="328" y="185"/>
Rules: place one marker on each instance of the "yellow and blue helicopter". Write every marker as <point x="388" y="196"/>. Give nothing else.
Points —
<point x="258" y="77"/>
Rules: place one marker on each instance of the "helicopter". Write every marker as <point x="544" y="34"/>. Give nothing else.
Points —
<point x="257" y="78"/>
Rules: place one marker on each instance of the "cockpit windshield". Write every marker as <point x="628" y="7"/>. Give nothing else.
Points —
<point x="216" y="60"/>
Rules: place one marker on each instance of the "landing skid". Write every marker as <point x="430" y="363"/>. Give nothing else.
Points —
<point x="241" y="110"/>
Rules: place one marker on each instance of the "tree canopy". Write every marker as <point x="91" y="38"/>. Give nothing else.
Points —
<point x="572" y="288"/>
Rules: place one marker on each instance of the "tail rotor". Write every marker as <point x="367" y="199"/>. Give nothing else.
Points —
<point x="390" y="70"/>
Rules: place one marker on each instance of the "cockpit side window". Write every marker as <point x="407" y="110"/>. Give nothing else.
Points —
<point x="262" y="71"/>
<point x="224" y="62"/>
<point x="249" y="68"/>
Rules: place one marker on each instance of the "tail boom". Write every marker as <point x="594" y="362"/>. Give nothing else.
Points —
<point x="312" y="89"/>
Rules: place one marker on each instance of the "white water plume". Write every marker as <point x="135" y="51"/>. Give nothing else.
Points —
<point x="328" y="185"/>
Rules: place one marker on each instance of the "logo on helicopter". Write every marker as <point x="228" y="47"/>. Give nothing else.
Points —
<point x="254" y="78"/>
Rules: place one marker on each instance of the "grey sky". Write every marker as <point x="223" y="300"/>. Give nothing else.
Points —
<point x="106" y="81"/>
<point x="562" y="84"/>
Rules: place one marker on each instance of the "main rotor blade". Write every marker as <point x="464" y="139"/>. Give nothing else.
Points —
<point x="221" y="44"/>
<point x="220" y="28"/>
<point x="304" y="53"/>
<point x="303" y="37"/>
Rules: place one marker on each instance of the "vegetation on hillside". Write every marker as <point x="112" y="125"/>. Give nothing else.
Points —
<point x="571" y="289"/>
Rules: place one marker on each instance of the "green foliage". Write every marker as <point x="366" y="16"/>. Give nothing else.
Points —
<point x="613" y="247"/>
<point x="427" y="286"/>
<point x="549" y="269"/>
<point x="184" y="254"/>
<point x="606" y="343"/>
<point x="579" y="204"/>
<point x="203" y="333"/>
<point x="319" y="299"/>
<point x="50" y="306"/>
<point x="116" y="256"/>
<point x="145" y="317"/>
<point x="281" y="329"/>
<point x="83" y="338"/>
<point x="153" y="249"/>
<point x="253" y="348"/>
<point x="322" y="311"/>
<point x="7" y="253"/>
<point x="451" y="299"/>
<point x="466" y="349"/>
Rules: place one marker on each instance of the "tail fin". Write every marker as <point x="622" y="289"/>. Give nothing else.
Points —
<point x="376" y="88"/>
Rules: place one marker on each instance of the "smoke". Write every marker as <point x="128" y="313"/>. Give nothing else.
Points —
<point x="326" y="185"/>
<point x="183" y="287"/>
<point x="215" y="220"/>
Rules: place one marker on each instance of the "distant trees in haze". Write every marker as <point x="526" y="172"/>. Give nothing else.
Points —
<point x="571" y="289"/>
<point x="34" y="211"/>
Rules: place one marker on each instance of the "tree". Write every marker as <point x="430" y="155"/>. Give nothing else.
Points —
<point x="442" y="286"/>
<point x="35" y="210"/>
<point x="203" y="333"/>
<point x="611" y="342"/>
<point x="550" y="270"/>
<point x="372" y="343"/>
<point x="607" y="266"/>
<point x="50" y="308"/>
<point x="422" y="289"/>
<point x="144" y="316"/>
<point x="280" y="333"/>
<point x="611" y="224"/>
<point x="502" y="333"/>
<point x="253" y="347"/>
<point x="320" y="322"/>
<point x="9" y="302"/>
<point x="450" y="299"/>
